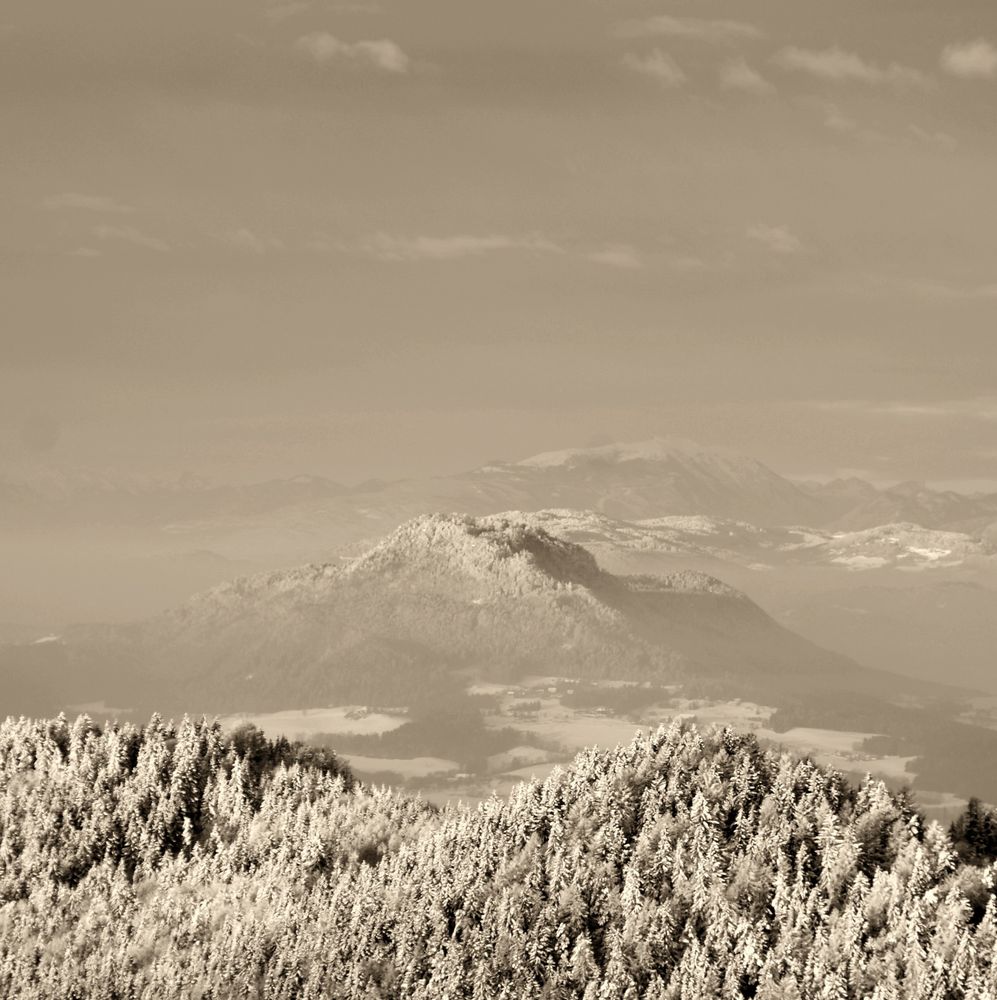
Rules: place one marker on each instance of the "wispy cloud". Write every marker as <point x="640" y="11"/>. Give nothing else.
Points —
<point x="970" y="59"/>
<point x="777" y="239"/>
<point x="393" y="247"/>
<point x="277" y="12"/>
<point x="657" y="65"/>
<point x="381" y="54"/>
<point x="128" y="234"/>
<point x="939" y="140"/>
<point x="836" y="120"/>
<point x="84" y="202"/>
<point x="713" y="32"/>
<point x="981" y="408"/>
<point x="281" y="10"/>
<point x="246" y="241"/>
<point x="620" y="255"/>
<point x="738" y="75"/>
<point x="396" y="248"/>
<point x="941" y="291"/>
<point x="838" y="66"/>
<point x="85" y="252"/>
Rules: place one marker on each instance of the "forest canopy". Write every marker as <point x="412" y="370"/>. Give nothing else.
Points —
<point x="183" y="861"/>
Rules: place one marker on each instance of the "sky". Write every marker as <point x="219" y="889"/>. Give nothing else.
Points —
<point x="250" y="239"/>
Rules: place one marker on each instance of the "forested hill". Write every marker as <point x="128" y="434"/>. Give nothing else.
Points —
<point x="182" y="862"/>
<point x="443" y="598"/>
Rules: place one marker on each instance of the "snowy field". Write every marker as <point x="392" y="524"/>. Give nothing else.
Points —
<point x="305" y="722"/>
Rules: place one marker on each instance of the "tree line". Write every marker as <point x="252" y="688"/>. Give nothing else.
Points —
<point x="180" y="861"/>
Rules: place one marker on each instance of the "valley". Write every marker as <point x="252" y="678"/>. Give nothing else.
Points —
<point x="412" y="653"/>
<point x="543" y="722"/>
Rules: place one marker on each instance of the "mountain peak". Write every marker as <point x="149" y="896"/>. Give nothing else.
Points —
<point x="655" y="449"/>
<point x="508" y="547"/>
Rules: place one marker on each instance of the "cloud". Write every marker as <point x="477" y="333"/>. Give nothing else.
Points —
<point x="778" y="239"/>
<point x="85" y="252"/>
<point x="620" y="255"/>
<point x="84" y="202"/>
<point x="940" y="140"/>
<point x="281" y="10"/>
<point x="277" y="12"/>
<point x="693" y="28"/>
<point x="838" y="66"/>
<point x="246" y="241"/>
<point x="981" y="408"/>
<point x="387" y="247"/>
<point x="738" y="75"/>
<point x="940" y="291"/>
<point x="128" y="234"/>
<point x="970" y="59"/>
<point x="688" y="263"/>
<point x="381" y="54"/>
<point x="836" y="120"/>
<point x="658" y="66"/>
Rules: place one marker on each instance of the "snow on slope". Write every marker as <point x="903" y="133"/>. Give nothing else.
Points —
<point x="900" y="546"/>
<point x="905" y="546"/>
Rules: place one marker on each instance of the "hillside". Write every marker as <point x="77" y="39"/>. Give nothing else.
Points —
<point x="154" y="543"/>
<point x="444" y="595"/>
<point x="849" y="508"/>
<point x="915" y="601"/>
<point x="896" y="546"/>
<point x="684" y="865"/>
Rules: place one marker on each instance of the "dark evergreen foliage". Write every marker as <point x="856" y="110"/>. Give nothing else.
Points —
<point x="975" y="833"/>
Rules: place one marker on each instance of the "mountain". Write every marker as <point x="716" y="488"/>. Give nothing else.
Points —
<point x="656" y="478"/>
<point x="442" y="596"/>
<point x="896" y="546"/>
<point x="899" y="597"/>
<point x="138" y="537"/>
<point x="448" y="603"/>
<point x="854" y="504"/>
<point x="661" y="477"/>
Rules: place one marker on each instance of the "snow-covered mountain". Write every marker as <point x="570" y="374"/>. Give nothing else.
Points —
<point x="442" y="596"/>
<point x="902" y="546"/>
<point x="137" y="537"/>
<point x="894" y="546"/>
<point x="659" y="477"/>
<point x="853" y="504"/>
<point x="651" y="479"/>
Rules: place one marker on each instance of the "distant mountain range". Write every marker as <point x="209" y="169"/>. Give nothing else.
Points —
<point x="656" y="478"/>
<point x="890" y="546"/>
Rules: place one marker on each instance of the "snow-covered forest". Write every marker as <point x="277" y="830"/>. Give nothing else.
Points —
<point x="184" y="861"/>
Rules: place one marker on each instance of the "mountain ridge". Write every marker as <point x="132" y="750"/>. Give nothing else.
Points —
<point x="657" y="477"/>
<point x="498" y="596"/>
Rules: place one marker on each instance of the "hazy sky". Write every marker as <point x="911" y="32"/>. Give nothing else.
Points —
<point x="243" y="239"/>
